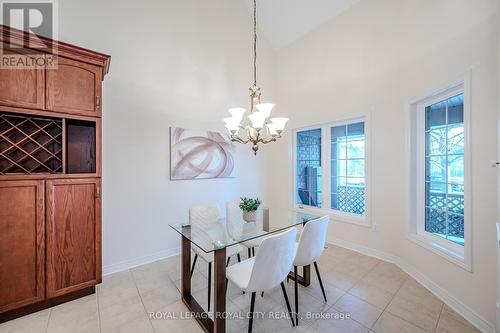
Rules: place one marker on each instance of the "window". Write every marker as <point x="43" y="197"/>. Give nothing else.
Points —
<point x="348" y="168"/>
<point x="439" y="210"/>
<point x="444" y="169"/>
<point x="308" y="173"/>
<point x="330" y="169"/>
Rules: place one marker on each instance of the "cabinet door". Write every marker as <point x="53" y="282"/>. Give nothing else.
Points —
<point x="73" y="235"/>
<point x="74" y="87"/>
<point x="23" y="87"/>
<point x="22" y="252"/>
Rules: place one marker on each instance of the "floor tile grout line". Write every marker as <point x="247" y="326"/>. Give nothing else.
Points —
<point x="439" y="317"/>
<point x="48" y="320"/>
<point x="389" y="303"/>
<point x="98" y="308"/>
<point x="416" y="325"/>
<point x="142" y="302"/>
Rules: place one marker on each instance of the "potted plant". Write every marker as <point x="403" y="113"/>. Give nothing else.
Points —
<point x="249" y="207"/>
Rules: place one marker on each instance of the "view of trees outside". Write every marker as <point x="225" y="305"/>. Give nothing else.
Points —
<point x="444" y="169"/>
<point x="348" y="168"/>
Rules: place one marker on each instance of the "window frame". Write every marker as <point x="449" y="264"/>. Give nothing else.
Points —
<point x="460" y="255"/>
<point x="336" y="215"/>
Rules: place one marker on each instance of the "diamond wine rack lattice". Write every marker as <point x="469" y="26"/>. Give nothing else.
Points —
<point x="30" y="144"/>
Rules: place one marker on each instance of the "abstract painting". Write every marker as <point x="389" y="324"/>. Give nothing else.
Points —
<point x="200" y="155"/>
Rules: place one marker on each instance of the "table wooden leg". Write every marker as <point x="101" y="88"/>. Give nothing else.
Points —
<point x="185" y="267"/>
<point x="305" y="279"/>
<point x="220" y="291"/>
<point x="199" y="314"/>
<point x="306" y="276"/>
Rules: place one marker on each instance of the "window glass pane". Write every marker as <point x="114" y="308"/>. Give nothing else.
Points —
<point x="455" y="203"/>
<point x="356" y="149"/>
<point x="435" y="196"/>
<point x="435" y="222"/>
<point x="308" y="164"/>
<point x="341" y="149"/>
<point x="338" y="131"/>
<point x="456" y="228"/>
<point x="456" y="139"/>
<point x="435" y="168"/>
<point x="335" y="201"/>
<point x="435" y="141"/>
<point x="355" y="168"/>
<point x="435" y="115"/>
<point x="356" y="129"/>
<point x="456" y="189"/>
<point x="456" y="109"/>
<point x="456" y="169"/>
<point x="339" y="168"/>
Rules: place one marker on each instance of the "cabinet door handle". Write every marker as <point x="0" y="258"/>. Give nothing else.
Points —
<point x="97" y="193"/>
<point x="98" y="101"/>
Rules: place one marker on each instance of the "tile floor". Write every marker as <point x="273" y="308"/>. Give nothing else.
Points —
<point x="364" y="295"/>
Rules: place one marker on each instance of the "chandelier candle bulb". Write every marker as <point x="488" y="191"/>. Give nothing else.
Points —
<point x="279" y="123"/>
<point x="258" y="119"/>
<point x="265" y="108"/>
<point x="237" y="113"/>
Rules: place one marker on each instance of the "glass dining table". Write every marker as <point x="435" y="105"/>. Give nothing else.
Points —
<point x="214" y="236"/>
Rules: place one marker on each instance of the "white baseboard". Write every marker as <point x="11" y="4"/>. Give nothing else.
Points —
<point x="476" y="320"/>
<point x="124" y="265"/>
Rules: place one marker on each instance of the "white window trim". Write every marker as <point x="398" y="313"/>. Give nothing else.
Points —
<point x="335" y="215"/>
<point x="460" y="255"/>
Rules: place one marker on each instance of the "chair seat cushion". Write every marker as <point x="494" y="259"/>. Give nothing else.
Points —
<point x="240" y="273"/>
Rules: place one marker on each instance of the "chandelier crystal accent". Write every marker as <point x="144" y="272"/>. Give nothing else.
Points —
<point x="261" y="127"/>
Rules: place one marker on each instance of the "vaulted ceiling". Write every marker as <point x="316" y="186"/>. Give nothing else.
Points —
<point x="284" y="21"/>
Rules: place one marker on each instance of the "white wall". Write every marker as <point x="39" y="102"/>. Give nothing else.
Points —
<point x="374" y="59"/>
<point x="174" y="63"/>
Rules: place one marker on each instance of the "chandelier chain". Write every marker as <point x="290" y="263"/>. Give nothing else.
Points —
<point x="254" y="42"/>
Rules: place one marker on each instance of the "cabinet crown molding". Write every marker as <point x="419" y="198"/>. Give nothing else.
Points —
<point x="22" y="38"/>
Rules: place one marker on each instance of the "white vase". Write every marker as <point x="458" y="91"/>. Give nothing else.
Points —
<point x="250" y="216"/>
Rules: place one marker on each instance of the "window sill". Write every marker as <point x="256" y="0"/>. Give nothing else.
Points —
<point x="447" y="252"/>
<point x="336" y="216"/>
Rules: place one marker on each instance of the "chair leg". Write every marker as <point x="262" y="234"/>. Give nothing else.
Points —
<point x="238" y="256"/>
<point x="253" y="251"/>
<point x="296" y="295"/>
<point x="287" y="303"/>
<point x="194" y="263"/>
<point x="228" y="260"/>
<point x="209" y="283"/>
<point x="249" y="253"/>
<point x="319" y="279"/>
<point x="250" y="321"/>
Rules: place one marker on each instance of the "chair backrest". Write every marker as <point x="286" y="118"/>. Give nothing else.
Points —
<point x="273" y="261"/>
<point x="312" y="241"/>
<point x="203" y="214"/>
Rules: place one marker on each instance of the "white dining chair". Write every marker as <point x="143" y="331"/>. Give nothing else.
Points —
<point x="309" y="248"/>
<point x="204" y="217"/>
<point x="266" y="270"/>
<point x="234" y="219"/>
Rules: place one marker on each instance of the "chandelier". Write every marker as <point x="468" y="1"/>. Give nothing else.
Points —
<point x="261" y="128"/>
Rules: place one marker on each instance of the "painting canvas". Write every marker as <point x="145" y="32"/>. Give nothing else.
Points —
<point x="200" y="154"/>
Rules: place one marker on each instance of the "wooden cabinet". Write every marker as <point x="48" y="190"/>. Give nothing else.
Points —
<point x="50" y="177"/>
<point x="73" y="235"/>
<point x="32" y="81"/>
<point x="74" y="87"/>
<point x="22" y="252"/>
